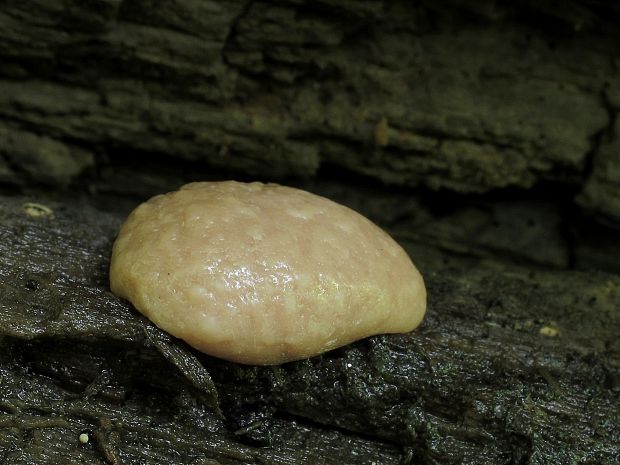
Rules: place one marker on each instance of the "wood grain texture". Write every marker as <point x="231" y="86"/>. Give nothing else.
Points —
<point x="446" y="95"/>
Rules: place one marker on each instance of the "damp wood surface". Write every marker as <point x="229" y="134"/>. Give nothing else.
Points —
<point x="468" y="97"/>
<point x="512" y="365"/>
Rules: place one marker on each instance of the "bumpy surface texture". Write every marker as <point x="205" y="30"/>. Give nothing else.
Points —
<point x="263" y="274"/>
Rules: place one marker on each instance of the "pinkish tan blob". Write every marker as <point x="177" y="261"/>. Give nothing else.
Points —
<point x="263" y="274"/>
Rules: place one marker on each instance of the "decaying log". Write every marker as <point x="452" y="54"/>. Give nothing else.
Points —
<point x="512" y="365"/>
<point x="446" y="94"/>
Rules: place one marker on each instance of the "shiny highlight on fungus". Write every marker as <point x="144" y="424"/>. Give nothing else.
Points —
<point x="263" y="274"/>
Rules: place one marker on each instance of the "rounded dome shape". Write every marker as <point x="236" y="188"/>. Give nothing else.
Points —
<point x="263" y="274"/>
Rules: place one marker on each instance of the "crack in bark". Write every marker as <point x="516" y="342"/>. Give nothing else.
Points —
<point x="232" y="32"/>
<point x="598" y="138"/>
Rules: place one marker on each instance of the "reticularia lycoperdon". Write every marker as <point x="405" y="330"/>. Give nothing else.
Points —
<point x="263" y="274"/>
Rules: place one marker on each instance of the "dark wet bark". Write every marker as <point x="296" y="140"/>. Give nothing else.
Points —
<point x="444" y="94"/>
<point x="512" y="365"/>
